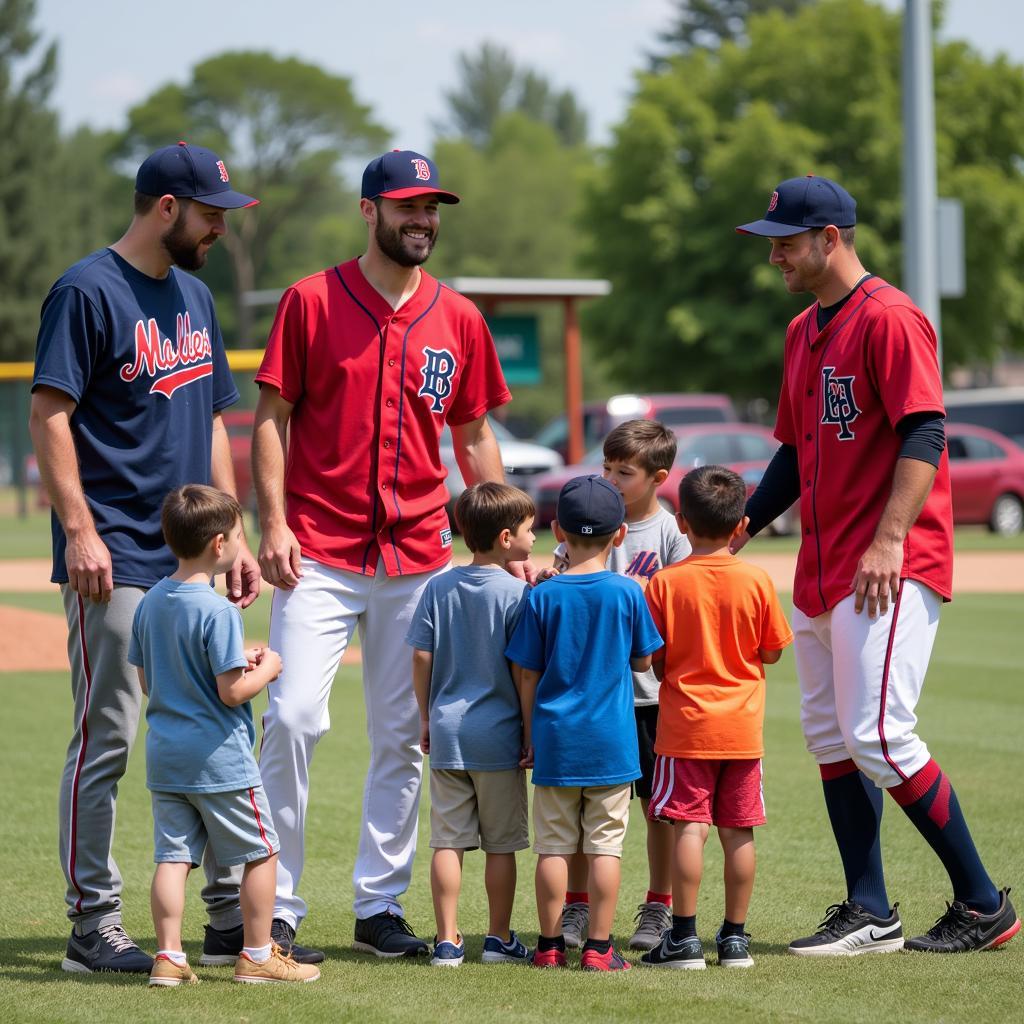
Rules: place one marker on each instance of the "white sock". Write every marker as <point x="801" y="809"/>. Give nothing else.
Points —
<point x="174" y="955"/>
<point x="257" y="954"/>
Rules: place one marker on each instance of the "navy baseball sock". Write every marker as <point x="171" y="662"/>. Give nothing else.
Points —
<point x="601" y="945"/>
<point x="683" y="927"/>
<point x="546" y="942"/>
<point x="854" y="805"/>
<point x="731" y="928"/>
<point x="929" y="801"/>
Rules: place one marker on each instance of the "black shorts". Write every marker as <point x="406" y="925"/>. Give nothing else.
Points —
<point x="646" y="732"/>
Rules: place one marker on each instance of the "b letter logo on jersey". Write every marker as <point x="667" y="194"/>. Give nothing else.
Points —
<point x="437" y="377"/>
<point x="422" y="169"/>
<point x="839" y="405"/>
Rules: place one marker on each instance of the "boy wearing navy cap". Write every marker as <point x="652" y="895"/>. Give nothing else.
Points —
<point x="576" y="641"/>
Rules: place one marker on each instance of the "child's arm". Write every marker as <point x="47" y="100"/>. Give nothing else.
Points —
<point x="422" y="663"/>
<point x="142" y="681"/>
<point x="642" y="664"/>
<point x="526" y="683"/>
<point x="768" y="657"/>
<point x="658" y="664"/>
<point x="238" y="685"/>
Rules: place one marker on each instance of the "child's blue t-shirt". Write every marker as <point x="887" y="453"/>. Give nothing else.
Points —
<point x="183" y="636"/>
<point x="464" y="618"/>
<point x="580" y="632"/>
<point x="144" y="360"/>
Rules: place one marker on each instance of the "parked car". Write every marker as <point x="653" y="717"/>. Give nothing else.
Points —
<point x="238" y="423"/>
<point x="1000" y="409"/>
<point x="524" y="462"/>
<point x="743" y="447"/>
<point x="986" y="476"/>
<point x="674" y="410"/>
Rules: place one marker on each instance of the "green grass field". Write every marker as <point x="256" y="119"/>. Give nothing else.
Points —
<point x="971" y="716"/>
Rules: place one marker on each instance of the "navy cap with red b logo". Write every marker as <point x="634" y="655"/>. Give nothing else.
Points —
<point x="802" y="203"/>
<point x="402" y="174"/>
<point x="189" y="172"/>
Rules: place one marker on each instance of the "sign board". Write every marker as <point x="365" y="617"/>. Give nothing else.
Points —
<point x="517" y="341"/>
<point x="952" y="283"/>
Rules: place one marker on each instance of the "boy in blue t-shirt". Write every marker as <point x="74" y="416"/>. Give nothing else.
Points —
<point x="187" y="645"/>
<point x="470" y="720"/>
<point x="578" y="637"/>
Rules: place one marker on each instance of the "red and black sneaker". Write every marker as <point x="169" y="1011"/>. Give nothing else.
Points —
<point x="962" y="930"/>
<point x="548" y="958"/>
<point x="592" y="960"/>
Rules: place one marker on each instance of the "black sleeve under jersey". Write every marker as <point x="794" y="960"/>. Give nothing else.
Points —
<point x="924" y="436"/>
<point x="778" y="489"/>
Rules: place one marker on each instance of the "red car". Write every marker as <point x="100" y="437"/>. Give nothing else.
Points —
<point x="986" y="475"/>
<point x="238" y="423"/>
<point x="743" y="447"/>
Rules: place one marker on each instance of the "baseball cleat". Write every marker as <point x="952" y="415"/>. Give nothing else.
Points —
<point x="388" y="935"/>
<point x="652" y="920"/>
<point x="680" y="955"/>
<point x="283" y="934"/>
<point x="575" y="921"/>
<point x="962" y="930"/>
<point x="849" y="930"/>
<point x="108" y="948"/>
<point x="734" y="950"/>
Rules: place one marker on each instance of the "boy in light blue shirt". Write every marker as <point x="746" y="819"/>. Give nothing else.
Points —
<point x="470" y="721"/>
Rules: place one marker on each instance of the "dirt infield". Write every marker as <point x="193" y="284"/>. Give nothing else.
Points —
<point x="37" y="641"/>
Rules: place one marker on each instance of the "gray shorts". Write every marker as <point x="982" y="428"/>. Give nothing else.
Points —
<point x="236" y="824"/>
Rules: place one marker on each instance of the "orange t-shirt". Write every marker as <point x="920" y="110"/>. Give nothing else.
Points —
<point x="714" y="612"/>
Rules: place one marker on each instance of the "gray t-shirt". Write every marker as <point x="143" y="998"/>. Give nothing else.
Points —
<point x="465" y="618"/>
<point x="650" y="545"/>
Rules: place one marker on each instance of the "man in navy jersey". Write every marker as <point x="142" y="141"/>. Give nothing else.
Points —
<point x="130" y="381"/>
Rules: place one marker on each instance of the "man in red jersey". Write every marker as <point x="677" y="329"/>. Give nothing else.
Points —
<point x="860" y="423"/>
<point x="366" y="364"/>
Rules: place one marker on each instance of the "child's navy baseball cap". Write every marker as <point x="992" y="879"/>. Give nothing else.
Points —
<point x="802" y="203"/>
<point x="189" y="172"/>
<point x="402" y="174"/>
<point x="589" y="505"/>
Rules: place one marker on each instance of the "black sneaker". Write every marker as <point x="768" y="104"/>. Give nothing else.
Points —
<point x="283" y="934"/>
<point x="106" y="949"/>
<point x="221" y="947"/>
<point x="849" y="930"/>
<point x="962" y="930"/>
<point x="734" y="950"/>
<point x="685" y="955"/>
<point x="388" y="935"/>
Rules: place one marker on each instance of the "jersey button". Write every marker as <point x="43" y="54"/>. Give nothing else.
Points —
<point x="384" y="487"/>
<point x="391" y="362"/>
<point x="387" y="444"/>
<point x="810" y="392"/>
<point x="807" y="436"/>
<point x="389" y="403"/>
<point x="808" y="531"/>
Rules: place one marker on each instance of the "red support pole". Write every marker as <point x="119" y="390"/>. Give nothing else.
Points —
<point x="573" y="383"/>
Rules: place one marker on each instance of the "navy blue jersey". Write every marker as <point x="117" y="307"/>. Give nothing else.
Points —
<point x="144" y="361"/>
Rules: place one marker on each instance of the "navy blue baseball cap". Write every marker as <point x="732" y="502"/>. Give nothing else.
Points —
<point x="401" y="174"/>
<point x="589" y="505"/>
<point x="802" y="203"/>
<point x="189" y="172"/>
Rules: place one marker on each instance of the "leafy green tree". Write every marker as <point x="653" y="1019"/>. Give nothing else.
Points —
<point x="708" y="137"/>
<point x="706" y="24"/>
<point x="283" y="127"/>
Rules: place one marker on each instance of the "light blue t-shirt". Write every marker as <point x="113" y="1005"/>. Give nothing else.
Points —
<point x="580" y="632"/>
<point x="464" y="618"/>
<point x="183" y="636"/>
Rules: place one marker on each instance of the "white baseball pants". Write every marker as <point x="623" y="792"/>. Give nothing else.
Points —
<point x="310" y="627"/>
<point x="860" y="681"/>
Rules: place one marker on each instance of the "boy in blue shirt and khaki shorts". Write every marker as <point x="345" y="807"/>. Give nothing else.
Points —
<point x="577" y="639"/>
<point x="187" y="644"/>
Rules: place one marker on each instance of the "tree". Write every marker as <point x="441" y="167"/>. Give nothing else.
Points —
<point x="29" y="233"/>
<point x="491" y="84"/>
<point x="283" y="126"/>
<point x="706" y="24"/>
<point x="709" y="136"/>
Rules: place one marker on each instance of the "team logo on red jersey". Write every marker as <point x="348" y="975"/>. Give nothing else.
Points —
<point x="438" y="367"/>
<point x="170" y="365"/>
<point x="773" y="202"/>
<point x="422" y="169"/>
<point x="223" y="170"/>
<point x="839" y="405"/>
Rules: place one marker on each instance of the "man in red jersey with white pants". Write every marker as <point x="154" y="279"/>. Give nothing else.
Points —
<point x="860" y="423"/>
<point x="366" y="364"/>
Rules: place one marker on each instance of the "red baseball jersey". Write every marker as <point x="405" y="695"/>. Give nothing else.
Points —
<point x="372" y="388"/>
<point x="844" y="390"/>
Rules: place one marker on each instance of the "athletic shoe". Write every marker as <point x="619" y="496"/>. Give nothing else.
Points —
<point x="548" y="958"/>
<point x="849" y="930"/>
<point x="221" y="947"/>
<point x="283" y="934"/>
<point x="277" y="969"/>
<point x="962" y="930"/>
<point x="575" y="920"/>
<point x="106" y="949"/>
<point x="651" y="921"/>
<point x="388" y="935"/>
<point x="734" y="950"/>
<point x="592" y="960"/>
<point x="448" y="954"/>
<point x="682" y="955"/>
<point x="167" y="974"/>
<point x="497" y="951"/>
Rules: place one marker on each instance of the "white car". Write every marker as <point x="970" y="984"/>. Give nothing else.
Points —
<point x="523" y="462"/>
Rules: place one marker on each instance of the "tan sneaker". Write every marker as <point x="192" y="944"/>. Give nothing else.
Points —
<point x="167" y="974"/>
<point x="279" y="968"/>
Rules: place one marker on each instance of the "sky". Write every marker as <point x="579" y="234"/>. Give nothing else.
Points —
<point x="114" y="53"/>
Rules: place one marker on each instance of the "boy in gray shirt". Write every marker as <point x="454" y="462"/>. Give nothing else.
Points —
<point x="470" y="719"/>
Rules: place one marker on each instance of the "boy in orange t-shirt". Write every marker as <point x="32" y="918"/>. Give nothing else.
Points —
<point x="722" y="623"/>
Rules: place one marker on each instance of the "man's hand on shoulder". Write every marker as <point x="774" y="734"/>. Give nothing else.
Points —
<point x="280" y="557"/>
<point x="242" y="580"/>
<point x="90" y="571"/>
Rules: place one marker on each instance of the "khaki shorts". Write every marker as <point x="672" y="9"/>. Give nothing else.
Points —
<point x="588" y="818"/>
<point x="485" y="810"/>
